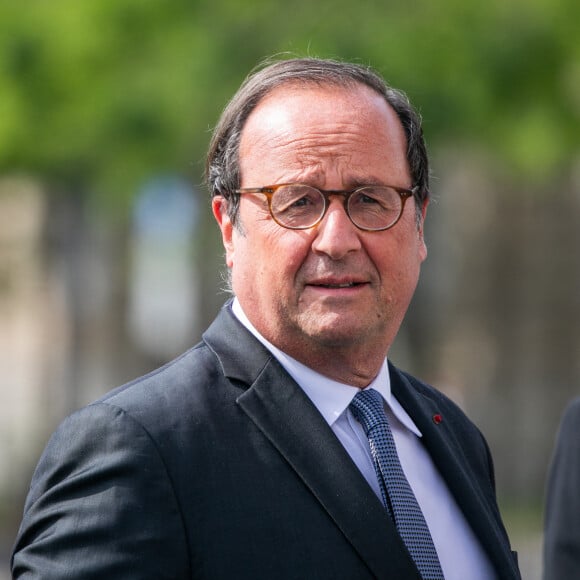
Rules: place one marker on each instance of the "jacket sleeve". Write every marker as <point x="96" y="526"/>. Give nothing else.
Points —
<point x="562" y="511"/>
<point x="101" y="505"/>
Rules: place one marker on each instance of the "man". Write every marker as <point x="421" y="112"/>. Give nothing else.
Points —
<point x="562" y="517"/>
<point x="247" y="457"/>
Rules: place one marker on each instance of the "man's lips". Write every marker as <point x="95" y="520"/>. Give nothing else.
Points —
<point x="331" y="284"/>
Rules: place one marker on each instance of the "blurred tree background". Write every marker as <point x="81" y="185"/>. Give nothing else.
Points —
<point x="103" y="101"/>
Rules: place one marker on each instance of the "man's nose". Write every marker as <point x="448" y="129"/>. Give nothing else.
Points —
<point x="336" y="235"/>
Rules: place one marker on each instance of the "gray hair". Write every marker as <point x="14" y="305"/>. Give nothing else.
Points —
<point x="222" y="171"/>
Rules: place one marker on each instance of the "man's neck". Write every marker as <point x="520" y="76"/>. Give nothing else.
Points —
<point x="353" y="365"/>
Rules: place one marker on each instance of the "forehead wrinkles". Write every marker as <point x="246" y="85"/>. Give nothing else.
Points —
<point x="309" y="149"/>
<point x="291" y="131"/>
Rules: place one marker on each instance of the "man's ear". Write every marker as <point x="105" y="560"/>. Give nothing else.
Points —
<point x="219" y="207"/>
<point x="423" y="248"/>
<point x="423" y="215"/>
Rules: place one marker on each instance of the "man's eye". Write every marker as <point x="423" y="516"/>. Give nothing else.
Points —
<point x="368" y="199"/>
<point x="302" y="202"/>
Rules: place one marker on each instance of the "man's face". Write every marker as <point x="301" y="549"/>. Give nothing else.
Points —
<point x="332" y="286"/>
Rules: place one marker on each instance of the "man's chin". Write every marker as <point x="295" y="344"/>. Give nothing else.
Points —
<point x="336" y="330"/>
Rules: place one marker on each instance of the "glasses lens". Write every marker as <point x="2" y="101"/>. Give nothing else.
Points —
<point x="374" y="208"/>
<point x="297" y="206"/>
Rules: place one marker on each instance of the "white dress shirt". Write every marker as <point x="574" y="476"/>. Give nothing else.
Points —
<point x="460" y="553"/>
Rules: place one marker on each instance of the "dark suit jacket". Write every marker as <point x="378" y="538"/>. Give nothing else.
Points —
<point x="218" y="466"/>
<point x="562" y="512"/>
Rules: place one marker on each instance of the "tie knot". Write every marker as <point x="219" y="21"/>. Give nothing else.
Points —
<point x="367" y="407"/>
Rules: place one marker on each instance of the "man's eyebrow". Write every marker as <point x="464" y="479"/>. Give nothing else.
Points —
<point x="317" y="179"/>
<point x="367" y="180"/>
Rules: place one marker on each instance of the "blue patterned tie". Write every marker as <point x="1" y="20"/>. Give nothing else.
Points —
<point x="398" y="497"/>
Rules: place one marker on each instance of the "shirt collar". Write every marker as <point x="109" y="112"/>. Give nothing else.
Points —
<point x="330" y="397"/>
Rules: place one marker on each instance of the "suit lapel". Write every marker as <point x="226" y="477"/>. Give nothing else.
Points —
<point x="288" y="419"/>
<point x="440" y="439"/>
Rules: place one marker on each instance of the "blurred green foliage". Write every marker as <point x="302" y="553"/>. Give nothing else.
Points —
<point x="101" y="94"/>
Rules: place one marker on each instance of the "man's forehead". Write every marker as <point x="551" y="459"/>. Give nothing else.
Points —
<point x="293" y="110"/>
<point x="324" y="137"/>
<point x="295" y="107"/>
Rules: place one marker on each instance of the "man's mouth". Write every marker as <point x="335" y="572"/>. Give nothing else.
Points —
<point x="348" y="285"/>
<point x="333" y="285"/>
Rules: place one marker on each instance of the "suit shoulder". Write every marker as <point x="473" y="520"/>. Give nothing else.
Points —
<point x="567" y="441"/>
<point x="571" y="416"/>
<point x="156" y="413"/>
<point x="177" y="378"/>
<point x="174" y="398"/>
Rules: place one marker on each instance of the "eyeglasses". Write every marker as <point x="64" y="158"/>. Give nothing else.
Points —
<point x="297" y="206"/>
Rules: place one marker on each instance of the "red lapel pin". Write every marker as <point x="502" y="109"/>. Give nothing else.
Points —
<point x="437" y="418"/>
